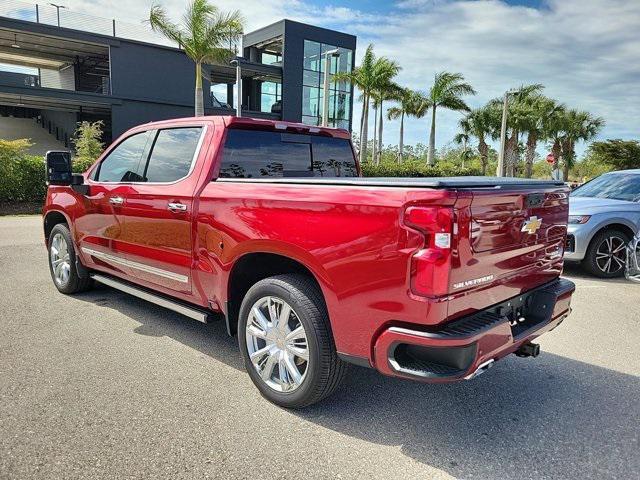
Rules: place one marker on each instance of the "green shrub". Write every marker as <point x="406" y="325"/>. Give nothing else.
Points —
<point x="30" y="179"/>
<point x="415" y="168"/>
<point x="21" y="175"/>
<point x="87" y="144"/>
<point x="81" y="164"/>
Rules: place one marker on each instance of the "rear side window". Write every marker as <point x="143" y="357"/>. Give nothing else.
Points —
<point x="172" y="154"/>
<point x="263" y="154"/>
<point x="333" y="157"/>
<point x="123" y="162"/>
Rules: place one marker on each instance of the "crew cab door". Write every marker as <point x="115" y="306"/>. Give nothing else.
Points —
<point x="158" y="211"/>
<point x="100" y="228"/>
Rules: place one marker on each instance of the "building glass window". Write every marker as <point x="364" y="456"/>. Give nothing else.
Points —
<point x="270" y="96"/>
<point x="313" y="83"/>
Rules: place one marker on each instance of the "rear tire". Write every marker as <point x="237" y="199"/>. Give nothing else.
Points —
<point x="291" y="375"/>
<point x="606" y="254"/>
<point x="62" y="262"/>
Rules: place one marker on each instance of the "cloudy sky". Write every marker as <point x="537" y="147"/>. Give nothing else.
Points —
<point x="586" y="52"/>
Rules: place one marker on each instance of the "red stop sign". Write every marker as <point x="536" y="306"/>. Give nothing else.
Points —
<point x="551" y="158"/>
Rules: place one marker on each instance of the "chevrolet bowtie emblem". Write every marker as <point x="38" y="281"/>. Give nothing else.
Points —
<point x="532" y="225"/>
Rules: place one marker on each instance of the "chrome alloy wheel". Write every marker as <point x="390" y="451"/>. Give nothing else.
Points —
<point x="60" y="262"/>
<point x="611" y="254"/>
<point x="277" y="344"/>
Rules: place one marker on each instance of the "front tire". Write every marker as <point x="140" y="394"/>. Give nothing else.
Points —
<point x="286" y="342"/>
<point x="607" y="254"/>
<point x="62" y="262"/>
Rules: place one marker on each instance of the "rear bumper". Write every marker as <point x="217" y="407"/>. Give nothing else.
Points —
<point x="462" y="347"/>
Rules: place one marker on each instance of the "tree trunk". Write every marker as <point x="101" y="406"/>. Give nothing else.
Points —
<point x="374" y="157"/>
<point x="511" y="154"/>
<point x="199" y="100"/>
<point x="364" y="100"/>
<point x="432" y="138"/>
<point x="401" y="142"/>
<point x="532" y="141"/>
<point x="567" y="158"/>
<point x="464" y="150"/>
<point x="483" y="148"/>
<point x="557" y="154"/>
<point x="380" y="125"/>
<point x="365" y="131"/>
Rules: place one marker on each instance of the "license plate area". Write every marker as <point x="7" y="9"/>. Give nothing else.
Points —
<point x="527" y="311"/>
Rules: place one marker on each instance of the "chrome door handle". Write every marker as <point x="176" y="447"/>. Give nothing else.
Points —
<point x="177" y="207"/>
<point x="116" y="200"/>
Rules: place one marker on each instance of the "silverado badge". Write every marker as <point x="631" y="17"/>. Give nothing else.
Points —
<point x="532" y="225"/>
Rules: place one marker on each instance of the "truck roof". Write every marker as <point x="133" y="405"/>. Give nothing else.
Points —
<point x="230" y="121"/>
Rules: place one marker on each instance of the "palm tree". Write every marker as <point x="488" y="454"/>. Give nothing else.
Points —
<point x="205" y="36"/>
<point x="517" y="122"/>
<point x="480" y="124"/>
<point x="446" y="92"/>
<point x="388" y="90"/>
<point x="410" y="104"/>
<point x="363" y="78"/>
<point x="578" y="126"/>
<point x="463" y="139"/>
<point x="539" y="113"/>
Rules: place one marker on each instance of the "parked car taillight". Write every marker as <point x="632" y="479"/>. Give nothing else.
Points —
<point x="430" y="266"/>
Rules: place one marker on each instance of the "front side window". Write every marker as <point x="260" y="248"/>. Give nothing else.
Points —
<point x="263" y="154"/>
<point x="123" y="162"/>
<point x="172" y="154"/>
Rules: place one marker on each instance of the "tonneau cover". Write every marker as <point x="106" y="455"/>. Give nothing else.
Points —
<point x="411" y="182"/>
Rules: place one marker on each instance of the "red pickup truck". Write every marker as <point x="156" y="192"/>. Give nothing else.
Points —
<point x="269" y="225"/>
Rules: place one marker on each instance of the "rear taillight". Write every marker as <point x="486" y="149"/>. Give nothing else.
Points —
<point x="430" y="266"/>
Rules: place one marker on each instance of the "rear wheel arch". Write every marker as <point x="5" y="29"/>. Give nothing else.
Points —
<point x="252" y="267"/>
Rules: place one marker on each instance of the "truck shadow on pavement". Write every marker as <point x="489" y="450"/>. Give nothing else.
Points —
<point x="550" y="417"/>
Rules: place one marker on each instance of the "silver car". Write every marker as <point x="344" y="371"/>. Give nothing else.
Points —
<point x="604" y="215"/>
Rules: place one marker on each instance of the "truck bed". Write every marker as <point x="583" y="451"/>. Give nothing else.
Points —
<point x="409" y="182"/>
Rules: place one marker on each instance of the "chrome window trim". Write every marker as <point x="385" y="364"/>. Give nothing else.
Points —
<point x="138" y="266"/>
<point x="157" y="130"/>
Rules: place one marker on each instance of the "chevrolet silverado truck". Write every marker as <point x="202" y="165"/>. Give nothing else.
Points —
<point x="269" y="225"/>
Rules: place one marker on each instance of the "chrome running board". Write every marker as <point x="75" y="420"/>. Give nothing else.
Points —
<point x="191" y="312"/>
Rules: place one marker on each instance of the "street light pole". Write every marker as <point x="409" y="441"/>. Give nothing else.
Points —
<point x="327" y="67"/>
<point x="503" y="133"/>
<point x="238" y="66"/>
<point x="57" y="7"/>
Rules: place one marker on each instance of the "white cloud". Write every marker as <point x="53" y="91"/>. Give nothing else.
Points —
<point x="585" y="51"/>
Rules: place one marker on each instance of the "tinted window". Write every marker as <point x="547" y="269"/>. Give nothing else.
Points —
<point x="333" y="157"/>
<point x="172" y="154"/>
<point x="618" y="186"/>
<point x="259" y="154"/>
<point x="123" y="163"/>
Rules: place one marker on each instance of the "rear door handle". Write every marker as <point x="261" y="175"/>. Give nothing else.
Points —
<point x="177" y="207"/>
<point x="116" y="200"/>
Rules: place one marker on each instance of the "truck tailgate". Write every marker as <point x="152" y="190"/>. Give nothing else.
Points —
<point x="510" y="241"/>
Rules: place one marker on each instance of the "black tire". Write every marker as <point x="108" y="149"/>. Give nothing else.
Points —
<point x="595" y="264"/>
<point x="74" y="283"/>
<point x="324" y="370"/>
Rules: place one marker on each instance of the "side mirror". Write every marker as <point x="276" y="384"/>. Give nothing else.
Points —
<point x="58" y="167"/>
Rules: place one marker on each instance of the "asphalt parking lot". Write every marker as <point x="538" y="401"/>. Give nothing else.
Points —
<point x="103" y="385"/>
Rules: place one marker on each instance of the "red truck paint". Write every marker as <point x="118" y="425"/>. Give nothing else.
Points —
<point x="353" y="239"/>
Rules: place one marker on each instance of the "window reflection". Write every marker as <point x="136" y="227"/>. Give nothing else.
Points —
<point x="172" y="154"/>
<point x="313" y="81"/>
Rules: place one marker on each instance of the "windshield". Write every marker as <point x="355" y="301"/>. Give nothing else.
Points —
<point x="618" y="186"/>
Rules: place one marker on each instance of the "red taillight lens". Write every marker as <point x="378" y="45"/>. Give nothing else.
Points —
<point x="431" y="265"/>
